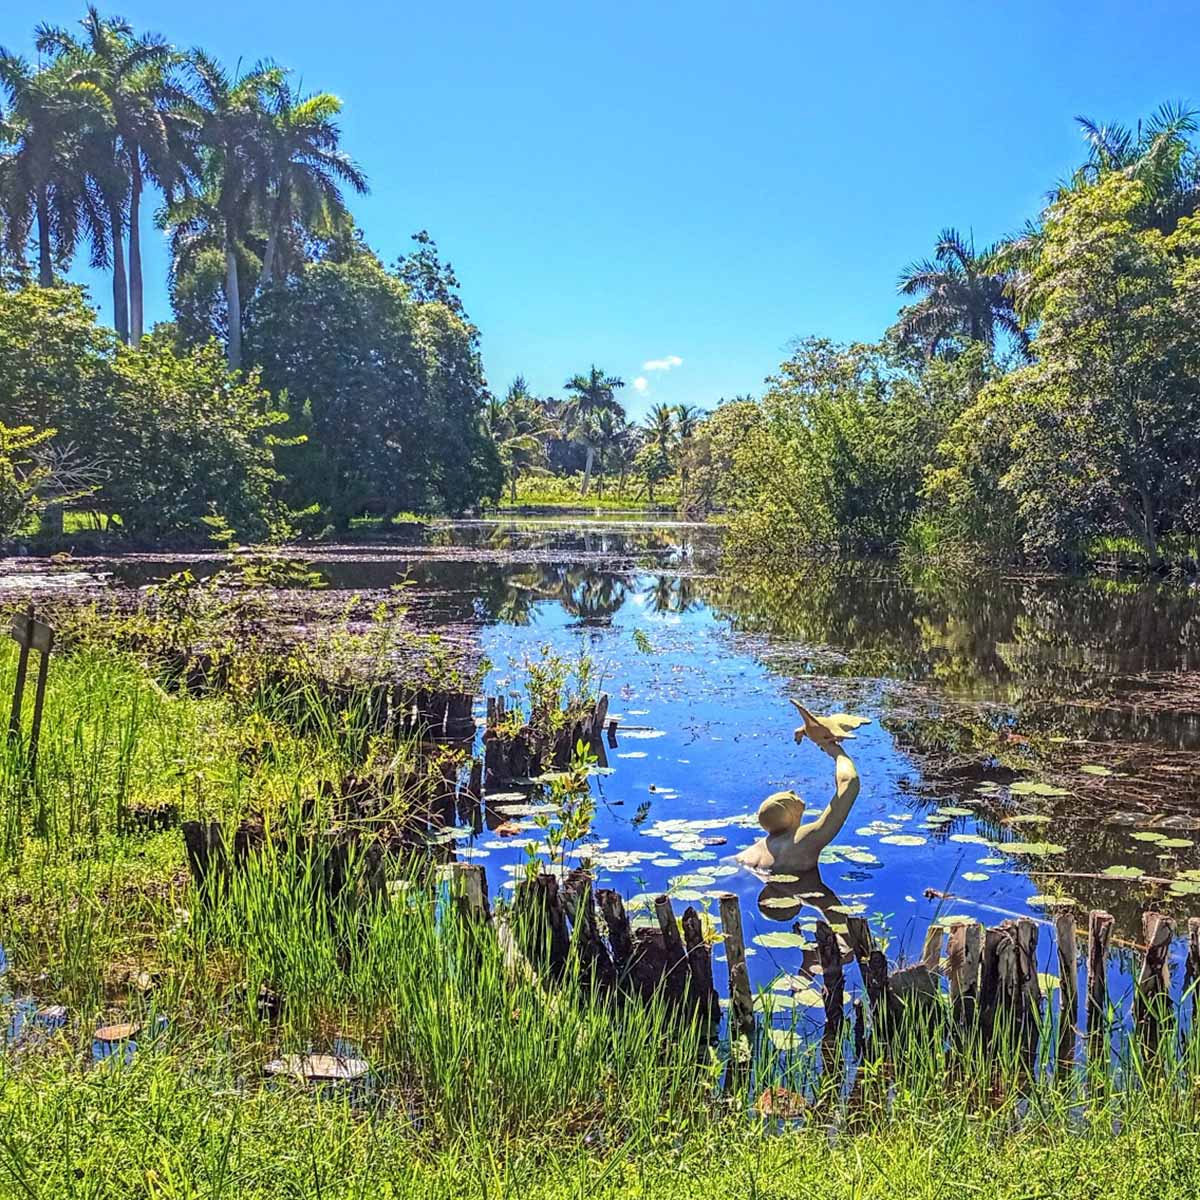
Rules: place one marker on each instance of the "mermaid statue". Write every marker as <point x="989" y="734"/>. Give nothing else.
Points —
<point x="793" y="847"/>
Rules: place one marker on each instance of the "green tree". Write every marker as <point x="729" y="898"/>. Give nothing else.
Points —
<point x="960" y="297"/>
<point x="169" y="438"/>
<point x="231" y="115"/>
<point x="1099" y="434"/>
<point x="589" y="396"/>
<point x="305" y="169"/>
<point x="47" y="119"/>
<point x="136" y="133"/>
<point x="711" y="451"/>
<point x="389" y="390"/>
<point x="518" y="427"/>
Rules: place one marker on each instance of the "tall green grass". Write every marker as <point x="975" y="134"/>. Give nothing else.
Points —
<point x="484" y="1082"/>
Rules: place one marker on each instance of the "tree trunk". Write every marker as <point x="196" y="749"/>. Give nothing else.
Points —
<point x="116" y="223"/>
<point x="45" y="262"/>
<point x="233" y="303"/>
<point x="272" y="251"/>
<point x="1149" y="538"/>
<point x="512" y="488"/>
<point x="136" y="293"/>
<point x="587" y="470"/>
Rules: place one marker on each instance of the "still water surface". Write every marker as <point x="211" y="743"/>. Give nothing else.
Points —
<point x="1068" y="678"/>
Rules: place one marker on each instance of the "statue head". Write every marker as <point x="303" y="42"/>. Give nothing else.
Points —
<point x="781" y="812"/>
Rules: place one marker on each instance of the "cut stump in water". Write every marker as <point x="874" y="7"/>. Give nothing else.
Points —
<point x="117" y="1033"/>
<point x="319" y="1068"/>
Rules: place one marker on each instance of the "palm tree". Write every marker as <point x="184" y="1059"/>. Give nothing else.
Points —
<point x="590" y="395"/>
<point x="961" y="296"/>
<point x="231" y="115"/>
<point x="613" y="436"/>
<point x="661" y="428"/>
<point x="687" y="421"/>
<point x="305" y="169"/>
<point x="139" y="139"/>
<point x="48" y="116"/>
<point x="1157" y="153"/>
<point x="518" y="427"/>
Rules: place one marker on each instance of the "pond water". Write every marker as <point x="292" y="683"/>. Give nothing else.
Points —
<point x="1027" y="735"/>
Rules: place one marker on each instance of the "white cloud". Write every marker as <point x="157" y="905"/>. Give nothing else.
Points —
<point x="640" y="384"/>
<point x="663" y="364"/>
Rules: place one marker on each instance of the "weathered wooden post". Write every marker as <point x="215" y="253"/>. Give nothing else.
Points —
<point x="833" y="988"/>
<point x="1152" y="996"/>
<point x="700" y="964"/>
<point x="1191" y="972"/>
<point x="677" y="959"/>
<point x="1068" y="989"/>
<point x="741" y="1001"/>
<point x="1099" y="931"/>
<point x="30" y="634"/>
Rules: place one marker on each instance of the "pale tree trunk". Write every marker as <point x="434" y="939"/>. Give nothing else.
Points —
<point x="45" y="262"/>
<point x="120" y="287"/>
<point x="272" y="251"/>
<point x="587" y="470"/>
<point x="136" y="294"/>
<point x="233" y="303"/>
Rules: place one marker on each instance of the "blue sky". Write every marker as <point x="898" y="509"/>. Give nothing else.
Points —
<point x="688" y="185"/>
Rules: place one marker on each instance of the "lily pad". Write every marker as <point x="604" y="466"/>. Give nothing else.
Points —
<point x="952" y="810"/>
<point x="1095" y="769"/>
<point x="972" y="839"/>
<point x="991" y="861"/>
<point x="1148" y="835"/>
<point x="1030" y="819"/>
<point x="1035" y="849"/>
<point x="903" y="839"/>
<point x="779" y="940"/>
<point x="975" y="876"/>
<point x="1051" y="901"/>
<point x="1122" y="871"/>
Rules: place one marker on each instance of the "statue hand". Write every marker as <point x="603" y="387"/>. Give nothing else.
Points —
<point x="827" y="732"/>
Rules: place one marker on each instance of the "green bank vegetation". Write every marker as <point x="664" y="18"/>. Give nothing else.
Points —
<point x="484" y="1080"/>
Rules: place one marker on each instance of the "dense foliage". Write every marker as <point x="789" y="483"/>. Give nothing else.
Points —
<point x="165" y="438"/>
<point x="363" y="366"/>
<point x="1053" y="409"/>
<point x="379" y="371"/>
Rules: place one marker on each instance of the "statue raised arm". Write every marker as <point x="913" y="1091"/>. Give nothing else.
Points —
<point x="790" y="846"/>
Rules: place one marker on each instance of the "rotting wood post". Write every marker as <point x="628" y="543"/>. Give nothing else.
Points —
<point x="1031" y="989"/>
<point x="931" y="951"/>
<point x="1152" y="995"/>
<point x="832" y="985"/>
<point x="205" y="845"/>
<point x="39" y="700"/>
<point x="1068" y="989"/>
<point x="963" y="955"/>
<point x="1191" y="971"/>
<point x="879" y="993"/>
<point x="471" y="889"/>
<point x="677" y="959"/>
<point x="700" y="963"/>
<point x="620" y="934"/>
<point x="612" y="733"/>
<point x="741" y="1000"/>
<point x="1099" y="931"/>
<point x="14" y="719"/>
<point x="858" y="939"/>
<point x="593" y="953"/>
